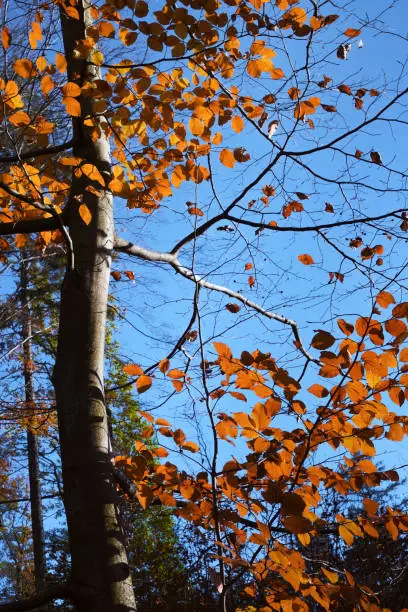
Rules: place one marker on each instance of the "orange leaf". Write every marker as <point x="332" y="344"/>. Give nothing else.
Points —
<point x="227" y="158"/>
<point x="318" y="390"/>
<point x="395" y="327"/>
<point x="143" y="383"/>
<point x="93" y="173"/>
<point x="60" y="62"/>
<point x="72" y="106"/>
<point x="403" y="356"/>
<point x="46" y="84"/>
<point x="196" y="211"/>
<point x="21" y="240"/>
<point x="234" y="308"/>
<point x="356" y="391"/>
<point x="294" y="93"/>
<point x="106" y="29"/>
<point x="192" y="447"/>
<point x="237" y="124"/>
<point x="24" y="68"/>
<point x="164" y="365"/>
<point x="306" y="259"/>
<point x="5" y="37"/>
<point x="187" y="489"/>
<point x="132" y="369"/>
<point x="20" y="118"/>
<point x="176" y="374"/>
<point x="223" y="350"/>
<point x="277" y="73"/>
<point x="384" y="299"/>
<point x="346" y="535"/>
<point x="352" y="32"/>
<point x="346" y="328"/>
<point x="71" y="90"/>
<point x="35" y="34"/>
<point x="85" y="214"/>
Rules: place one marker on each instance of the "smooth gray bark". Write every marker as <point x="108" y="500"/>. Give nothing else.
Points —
<point x="100" y="572"/>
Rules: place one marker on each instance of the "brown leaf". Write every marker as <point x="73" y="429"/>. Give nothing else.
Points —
<point x="352" y="32"/>
<point x="376" y="158"/>
<point x="322" y="340"/>
<point x="234" y="308"/>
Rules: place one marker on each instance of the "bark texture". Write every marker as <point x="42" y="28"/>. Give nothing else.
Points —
<point x="100" y="573"/>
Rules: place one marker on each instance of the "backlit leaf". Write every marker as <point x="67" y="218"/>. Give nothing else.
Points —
<point x="24" y="68"/>
<point x="143" y="383"/>
<point x="72" y="106"/>
<point x="237" y="124"/>
<point x="85" y="214"/>
<point x="306" y="259"/>
<point x="132" y="369"/>
<point x="318" y="390"/>
<point x="227" y="158"/>
<point x="384" y="299"/>
<point x="352" y="32"/>
<point x="5" y="38"/>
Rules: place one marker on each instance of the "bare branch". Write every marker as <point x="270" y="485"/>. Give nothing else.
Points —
<point x="8" y="159"/>
<point x="314" y="228"/>
<point x="170" y="258"/>
<point x="57" y="591"/>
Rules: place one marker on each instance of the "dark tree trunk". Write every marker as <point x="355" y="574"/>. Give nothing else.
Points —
<point x="100" y="572"/>
<point x="32" y="442"/>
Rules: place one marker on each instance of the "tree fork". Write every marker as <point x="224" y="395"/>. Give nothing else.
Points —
<point x="100" y="571"/>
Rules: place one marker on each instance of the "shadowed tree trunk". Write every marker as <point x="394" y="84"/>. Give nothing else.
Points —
<point x="100" y="573"/>
<point x="32" y="442"/>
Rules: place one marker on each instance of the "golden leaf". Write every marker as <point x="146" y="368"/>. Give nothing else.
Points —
<point x="227" y="158"/>
<point x="237" y="124"/>
<point x="24" y="68"/>
<point x="72" y="106"/>
<point x="85" y="214"/>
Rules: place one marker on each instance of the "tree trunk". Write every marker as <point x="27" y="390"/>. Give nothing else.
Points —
<point x="32" y="442"/>
<point x="100" y="572"/>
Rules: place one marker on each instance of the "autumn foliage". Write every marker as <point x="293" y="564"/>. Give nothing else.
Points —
<point x="232" y="122"/>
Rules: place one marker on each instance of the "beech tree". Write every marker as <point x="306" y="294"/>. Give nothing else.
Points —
<point x="271" y="154"/>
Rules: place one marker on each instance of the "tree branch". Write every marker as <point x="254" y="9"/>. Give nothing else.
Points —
<point x="29" y="226"/>
<point x="171" y="258"/>
<point x="313" y="228"/>
<point x="50" y="210"/>
<point x="56" y="591"/>
<point x="8" y="159"/>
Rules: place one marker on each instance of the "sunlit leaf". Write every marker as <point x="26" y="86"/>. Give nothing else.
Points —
<point x="85" y="214"/>
<point x="306" y="259"/>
